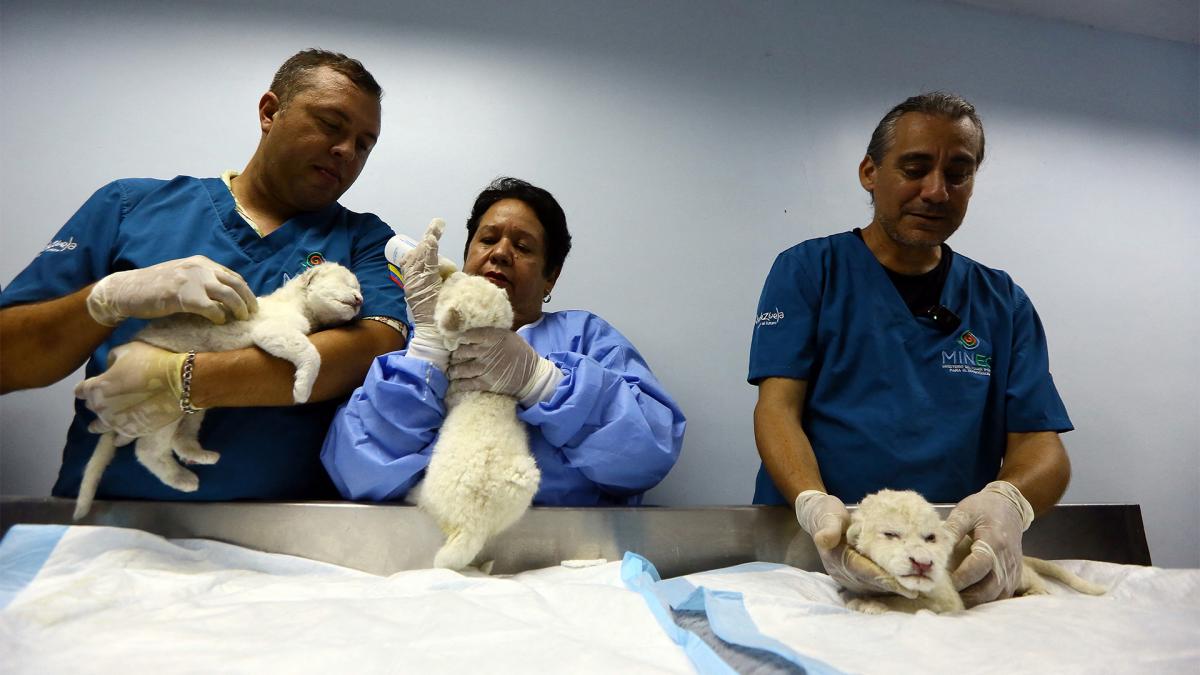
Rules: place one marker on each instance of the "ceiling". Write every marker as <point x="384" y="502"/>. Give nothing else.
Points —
<point x="1177" y="20"/>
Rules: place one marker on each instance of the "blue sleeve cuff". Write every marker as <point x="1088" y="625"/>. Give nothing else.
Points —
<point x="563" y="415"/>
<point x="380" y="441"/>
<point x="621" y="431"/>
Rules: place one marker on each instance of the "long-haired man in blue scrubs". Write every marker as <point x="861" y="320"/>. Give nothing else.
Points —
<point x="141" y="248"/>
<point x="886" y="360"/>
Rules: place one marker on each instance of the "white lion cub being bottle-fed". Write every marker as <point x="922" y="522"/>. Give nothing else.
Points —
<point x="324" y="295"/>
<point x="482" y="477"/>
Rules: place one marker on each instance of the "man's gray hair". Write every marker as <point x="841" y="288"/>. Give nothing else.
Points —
<point x="940" y="103"/>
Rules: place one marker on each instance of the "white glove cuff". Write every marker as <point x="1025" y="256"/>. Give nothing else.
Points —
<point x="807" y="496"/>
<point x="802" y="502"/>
<point x="432" y="351"/>
<point x="1010" y="491"/>
<point x="542" y="385"/>
<point x="103" y="312"/>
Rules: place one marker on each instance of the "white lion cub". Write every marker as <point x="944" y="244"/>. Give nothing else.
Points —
<point x="322" y="296"/>
<point x="481" y="478"/>
<point x="903" y="534"/>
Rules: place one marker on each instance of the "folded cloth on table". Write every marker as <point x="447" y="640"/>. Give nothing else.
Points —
<point x="1149" y="621"/>
<point x="117" y="600"/>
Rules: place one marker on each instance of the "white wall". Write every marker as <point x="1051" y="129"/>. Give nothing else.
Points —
<point x="689" y="142"/>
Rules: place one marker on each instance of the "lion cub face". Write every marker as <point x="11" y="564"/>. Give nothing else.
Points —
<point x="903" y="534"/>
<point x="467" y="302"/>
<point x="331" y="292"/>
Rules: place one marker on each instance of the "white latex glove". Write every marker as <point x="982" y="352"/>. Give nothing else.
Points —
<point x="194" y="285"/>
<point x="995" y="517"/>
<point x="139" y="392"/>
<point x="825" y="519"/>
<point x="500" y="361"/>
<point x="422" y="284"/>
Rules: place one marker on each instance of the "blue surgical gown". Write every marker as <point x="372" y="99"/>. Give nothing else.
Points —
<point x="894" y="402"/>
<point x="606" y="435"/>
<point x="266" y="453"/>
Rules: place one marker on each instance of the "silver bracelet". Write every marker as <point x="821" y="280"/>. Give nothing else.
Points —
<point x="185" y="397"/>
<point x="397" y="326"/>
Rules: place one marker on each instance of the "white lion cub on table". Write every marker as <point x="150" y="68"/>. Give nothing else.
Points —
<point x="324" y="295"/>
<point x="481" y="478"/>
<point x="903" y="534"/>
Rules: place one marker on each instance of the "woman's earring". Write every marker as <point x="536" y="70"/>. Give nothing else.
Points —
<point x="546" y="297"/>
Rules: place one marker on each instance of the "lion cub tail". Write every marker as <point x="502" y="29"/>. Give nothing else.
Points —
<point x="1049" y="569"/>
<point x="102" y="456"/>
<point x="460" y="548"/>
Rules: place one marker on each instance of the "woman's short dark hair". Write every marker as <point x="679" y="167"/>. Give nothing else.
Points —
<point x="545" y="207"/>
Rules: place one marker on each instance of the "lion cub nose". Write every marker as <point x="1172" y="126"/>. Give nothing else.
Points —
<point x="921" y="567"/>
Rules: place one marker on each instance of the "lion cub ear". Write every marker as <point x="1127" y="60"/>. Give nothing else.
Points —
<point x="452" y="320"/>
<point x="853" y="533"/>
<point x="306" y="278"/>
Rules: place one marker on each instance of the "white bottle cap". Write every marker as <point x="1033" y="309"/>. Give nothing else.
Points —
<point x="397" y="246"/>
<point x="400" y="244"/>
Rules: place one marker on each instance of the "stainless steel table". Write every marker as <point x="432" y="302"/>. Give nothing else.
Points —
<point x="384" y="538"/>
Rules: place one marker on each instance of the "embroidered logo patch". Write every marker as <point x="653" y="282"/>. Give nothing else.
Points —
<point x="768" y="318"/>
<point x="967" y="359"/>
<point x="310" y="261"/>
<point x="58" y="245"/>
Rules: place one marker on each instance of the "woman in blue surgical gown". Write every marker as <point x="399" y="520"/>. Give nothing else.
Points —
<point x="601" y="427"/>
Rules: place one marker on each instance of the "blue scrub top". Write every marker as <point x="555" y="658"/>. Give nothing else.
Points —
<point x="270" y="453"/>
<point x="894" y="402"/>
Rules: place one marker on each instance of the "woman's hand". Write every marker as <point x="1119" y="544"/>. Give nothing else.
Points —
<point x="422" y="284"/>
<point x="498" y="360"/>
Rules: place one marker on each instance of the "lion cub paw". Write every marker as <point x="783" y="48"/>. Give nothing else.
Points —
<point x="866" y="606"/>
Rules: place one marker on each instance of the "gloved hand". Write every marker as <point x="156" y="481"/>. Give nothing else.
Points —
<point x="825" y="519"/>
<point x="500" y="361"/>
<point x="195" y="285"/>
<point x="139" y="392"/>
<point x="995" y="517"/>
<point x="422" y="284"/>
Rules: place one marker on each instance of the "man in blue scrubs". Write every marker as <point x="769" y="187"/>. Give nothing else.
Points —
<point x="886" y="360"/>
<point x="141" y="248"/>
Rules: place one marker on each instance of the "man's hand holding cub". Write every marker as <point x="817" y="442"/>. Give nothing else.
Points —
<point x="137" y="394"/>
<point x="194" y="285"/>
<point x="995" y="517"/>
<point x="825" y="518"/>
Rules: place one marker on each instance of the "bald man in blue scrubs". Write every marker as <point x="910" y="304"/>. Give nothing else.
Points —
<point x="142" y="248"/>
<point x="886" y="360"/>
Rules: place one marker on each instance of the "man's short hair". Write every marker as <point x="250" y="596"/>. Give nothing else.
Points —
<point x="940" y="103"/>
<point x="544" y="206"/>
<point x="293" y="76"/>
